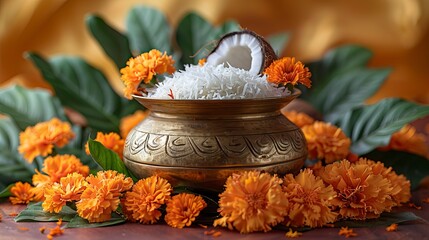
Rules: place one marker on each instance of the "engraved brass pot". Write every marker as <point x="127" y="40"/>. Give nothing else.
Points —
<point x="199" y="143"/>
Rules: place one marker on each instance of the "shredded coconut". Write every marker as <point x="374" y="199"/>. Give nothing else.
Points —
<point x="215" y="82"/>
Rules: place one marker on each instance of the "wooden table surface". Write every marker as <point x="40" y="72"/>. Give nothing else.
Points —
<point x="10" y="230"/>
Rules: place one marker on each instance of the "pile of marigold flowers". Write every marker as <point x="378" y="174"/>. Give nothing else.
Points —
<point x="338" y="187"/>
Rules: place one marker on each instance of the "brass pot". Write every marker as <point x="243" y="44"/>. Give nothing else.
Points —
<point x="199" y="143"/>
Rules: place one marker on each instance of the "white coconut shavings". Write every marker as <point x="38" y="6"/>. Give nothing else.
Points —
<point x="215" y="82"/>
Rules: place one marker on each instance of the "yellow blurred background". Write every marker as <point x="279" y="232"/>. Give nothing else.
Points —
<point x="397" y="31"/>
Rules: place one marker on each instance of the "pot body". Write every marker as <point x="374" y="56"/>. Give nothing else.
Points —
<point x="199" y="143"/>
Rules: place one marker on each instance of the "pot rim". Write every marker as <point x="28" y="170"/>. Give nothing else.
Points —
<point x="217" y="107"/>
<point x="296" y="92"/>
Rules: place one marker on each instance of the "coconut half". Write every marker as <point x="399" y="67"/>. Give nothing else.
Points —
<point x="243" y="49"/>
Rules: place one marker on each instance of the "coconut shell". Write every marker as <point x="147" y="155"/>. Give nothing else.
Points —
<point x="268" y="51"/>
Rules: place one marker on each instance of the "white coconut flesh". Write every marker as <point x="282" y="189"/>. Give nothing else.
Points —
<point x="242" y="51"/>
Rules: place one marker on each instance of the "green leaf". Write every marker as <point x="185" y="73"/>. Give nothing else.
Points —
<point x="114" y="43"/>
<point x="337" y="61"/>
<point x="385" y="219"/>
<point x="148" y="29"/>
<point x="78" y="222"/>
<point x="371" y="126"/>
<point x="27" y="107"/>
<point x="412" y="166"/>
<point x="13" y="167"/>
<point x="108" y="159"/>
<point x="192" y="35"/>
<point x="34" y="213"/>
<point x="346" y="91"/>
<point x="278" y="42"/>
<point x="227" y="27"/>
<point x="6" y="191"/>
<point x="82" y="88"/>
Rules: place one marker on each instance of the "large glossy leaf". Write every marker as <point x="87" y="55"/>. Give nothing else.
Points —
<point x="372" y="126"/>
<point x="34" y="213"/>
<point x="27" y="107"/>
<point x="412" y="166"/>
<point x="108" y="159"/>
<point x="346" y="91"/>
<point x="13" y="167"/>
<point x="278" y="42"/>
<point x="114" y="43"/>
<point x="82" y="88"/>
<point x="337" y="61"/>
<point x="147" y="28"/>
<point x="78" y="222"/>
<point x="192" y="35"/>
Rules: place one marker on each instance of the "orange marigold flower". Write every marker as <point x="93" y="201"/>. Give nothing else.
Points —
<point x="293" y="234"/>
<point x="40" y="139"/>
<point x="325" y="141"/>
<point x="288" y="71"/>
<point x="401" y="187"/>
<point x="345" y="231"/>
<point x="59" y="166"/>
<point x="21" y="193"/>
<point x="183" y="208"/>
<point x="252" y="201"/>
<point x="101" y="195"/>
<point x="392" y="227"/>
<point x="111" y="141"/>
<point x="408" y="140"/>
<point x="146" y="197"/>
<point x="143" y="68"/>
<point x="309" y="200"/>
<point x="298" y="118"/>
<point x="361" y="194"/>
<point x="68" y="189"/>
<point x="129" y="122"/>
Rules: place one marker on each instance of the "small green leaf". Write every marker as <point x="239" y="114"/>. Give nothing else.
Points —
<point x="227" y="27"/>
<point x="6" y="191"/>
<point x="346" y="91"/>
<point x="385" y="219"/>
<point x="147" y="29"/>
<point x="27" y="107"/>
<point x="278" y="42"/>
<point x="78" y="222"/>
<point x="412" y="166"/>
<point x="13" y="167"/>
<point x="82" y="88"/>
<point x="114" y="43"/>
<point x="108" y="159"/>
<point x="372" y="126"/>
<point x="192" y="34"/>
<point x="341" y="59"/>
<point x="34" y="213"/>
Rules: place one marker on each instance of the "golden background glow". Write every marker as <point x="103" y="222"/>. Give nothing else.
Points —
<point x="396" y="30"/>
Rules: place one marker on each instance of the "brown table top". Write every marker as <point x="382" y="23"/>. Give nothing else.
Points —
<point x="10" y="230"/>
